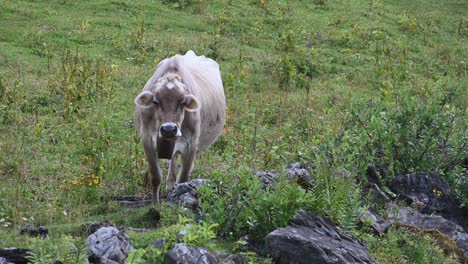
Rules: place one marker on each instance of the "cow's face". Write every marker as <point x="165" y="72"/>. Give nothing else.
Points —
<point x="169" y="103"/>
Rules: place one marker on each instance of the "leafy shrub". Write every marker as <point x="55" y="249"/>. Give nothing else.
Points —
<point x="409" y="135"/>
<point x="240" y="206"/>
<point x="407" y="23"/>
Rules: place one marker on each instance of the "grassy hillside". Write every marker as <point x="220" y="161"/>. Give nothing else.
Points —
<point x="334" y="84"/>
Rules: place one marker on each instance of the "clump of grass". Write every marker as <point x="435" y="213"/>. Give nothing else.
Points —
<point x="400" y="245"/>
<point x="407" y="23"/>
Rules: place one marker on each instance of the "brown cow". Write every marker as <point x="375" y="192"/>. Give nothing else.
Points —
<point x="181" y="110"/>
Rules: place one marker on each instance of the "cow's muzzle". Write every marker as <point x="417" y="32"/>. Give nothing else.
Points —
<point x="169" y="131"/>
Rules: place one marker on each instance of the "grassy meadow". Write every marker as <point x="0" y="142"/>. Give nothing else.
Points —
<point x="337" y="85"/>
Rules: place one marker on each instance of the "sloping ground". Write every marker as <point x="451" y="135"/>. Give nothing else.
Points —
<point x="333" y="84"/>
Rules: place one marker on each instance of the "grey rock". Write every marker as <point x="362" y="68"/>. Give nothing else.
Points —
<point x="185" y="195"/>
<point x="4" y="261"/>
<point x="374" y="196"/>
<point x="298" y="172"/>
<point x="378" y="224"/>
<point x="411" y="217"/>
<point x="197" y="183"/>
<point x="181" y="254"/>
<point x="15" y="255"/>
<point x="267" y="178"/>
<point x="314" y="239"/>
<point x="231" y="259"/>
<point x="341" y="173"/>
<point x="431" y="194"/>
<point x="108" y="245"/>
<point x="159" y="243"/>
<point x="32" y="231"/>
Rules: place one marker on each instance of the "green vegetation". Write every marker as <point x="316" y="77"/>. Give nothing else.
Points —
<point x="334" y="84"/>
<point x="402" y="246"/>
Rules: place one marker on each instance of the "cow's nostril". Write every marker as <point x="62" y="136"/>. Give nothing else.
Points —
<point x="168" y="130"/>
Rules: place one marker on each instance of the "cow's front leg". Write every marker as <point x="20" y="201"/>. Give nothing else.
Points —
<point x="155" y="170"/>
<point x="187" y="163"/>
<point x="171" y="176"/>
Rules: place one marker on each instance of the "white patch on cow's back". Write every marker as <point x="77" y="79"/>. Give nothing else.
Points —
<point x="170" y="85"/>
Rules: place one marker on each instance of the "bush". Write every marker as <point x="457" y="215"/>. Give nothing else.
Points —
<point x="240" y="206"/>
<point x="409" y="134"/>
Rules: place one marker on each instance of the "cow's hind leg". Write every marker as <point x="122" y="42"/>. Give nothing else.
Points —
<point x="155" y="169"/>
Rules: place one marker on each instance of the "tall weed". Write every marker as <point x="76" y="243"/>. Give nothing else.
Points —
<point x="78" y="81"/>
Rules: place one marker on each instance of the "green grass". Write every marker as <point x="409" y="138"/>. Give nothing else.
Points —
<point x="380" y="82"/>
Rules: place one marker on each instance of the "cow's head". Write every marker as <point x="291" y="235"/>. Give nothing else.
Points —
<point x="169" y="103"/>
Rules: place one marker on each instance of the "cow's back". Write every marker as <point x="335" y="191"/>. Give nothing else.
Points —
<point x="209" y="90"/>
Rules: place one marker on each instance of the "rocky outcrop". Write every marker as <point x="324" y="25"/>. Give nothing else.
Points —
<point x="378" y="224"/>
<point x="14" y="255"/>
<point x="267" y="178"/>
<point x="296" y="172"/>
<point x="314" y="239"/>
<point x="182" y="254"/>
<point x="108" y="246"/>
<point x="431" y="194"/>
<point x="299" y="173"/>
<point x="185" y="195"/>
<point x="32" y="231"/>
<point x="410" y="217"/>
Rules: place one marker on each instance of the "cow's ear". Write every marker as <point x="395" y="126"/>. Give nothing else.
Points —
<point x="192" y="104"/>
<point x="144" y="100"/>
